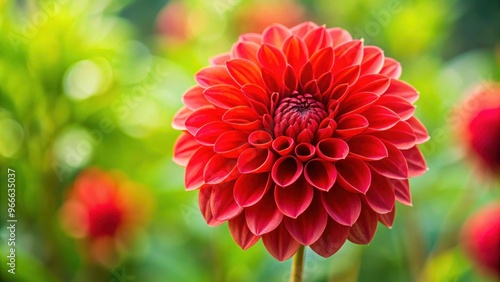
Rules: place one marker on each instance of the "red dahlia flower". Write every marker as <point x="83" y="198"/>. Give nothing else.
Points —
<point x="481" y="239"/>
<point x="104" y="211"/>
<point x="300" y="136"/>
<point x="482" y="125"/>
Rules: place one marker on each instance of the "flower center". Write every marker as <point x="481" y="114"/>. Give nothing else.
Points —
<point x="296" y="113"/>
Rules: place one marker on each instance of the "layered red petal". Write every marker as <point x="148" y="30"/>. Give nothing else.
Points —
<point x="308" y="227"/>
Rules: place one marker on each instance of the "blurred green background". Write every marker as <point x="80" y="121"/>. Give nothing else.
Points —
<point x="68" y="66"/>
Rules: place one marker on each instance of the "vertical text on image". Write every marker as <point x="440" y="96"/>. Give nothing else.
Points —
<point x="11" y="219"/>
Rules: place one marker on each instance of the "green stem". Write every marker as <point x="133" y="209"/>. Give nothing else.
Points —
<point x="297" y="266"/>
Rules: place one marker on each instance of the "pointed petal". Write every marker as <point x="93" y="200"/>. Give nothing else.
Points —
<point x="179" y="120"/>
<point x="254" y="160"/>
<point x="290" y="78"/>
<point x="394" y="166"/>
<point x="357" y="102"/>
<point x="251" y="37"/>
<point x="256" y="93"/>
<point x="280" y="243"/>
<point x="388" y="218"/>
<point x="320" y="174"/>
<point x="213" y="75"/>
<point x="222" y="202"/>
<point x="184" y="148"/>
<point x="272" y="59"/>
<point x="374" y="83"/>
<point x="286" y="170"/>
<point x="244" y="72"/>
<point x="231" y="144"/>
<point x="220" y="169"/>
<point x="419" y="130"/>
<point x="302" y="29"/>
<point x="240" y="113"/>
<point x="347" y="75"/>
<point x="402" y="191"/>
<point x="332" y="239"/>
<point x="245" y="50"/>
<point x="194" y="99"/>
<point x="293" y="200"/>
<point x="225" y="96"/>
<point x="325" y="83"/>
<point x="415" y="160"/>
<point x="305" y="136"/>
<point x="195" y="167"/>
<point x="317" y="39"/>
<point x="391" y="68"/>
<point x="306" y="74"/>
<point x="322" y="61"/>
<point x="373" y="60"/>
<point x="308" y="227"/>
<point x="240" y="232"/>
<point x="339" y="93"/>
<point x="350" y="125"/>
<point x="363" y="231"/>
<point x="250" y="188"/>
<point x="399" y="105"/>
<point x="339" y="36"/>
<point x="275" y="35"/>
<point x="201" y="117"/>
<point x="380" y="118"/>
<point x="402" y="89"/>
<point x="219" y="60"/>
<point x="343" y="206"/>
<point x="205" y="206"/>
<point x="271" y="80"/>
<point x="208" y="133"/>
<point x="295" y="52"/>
<point x="348" y="54"/>
<point x="380" y="197"/>
<point x="243" y="118"/>
<point x="312" y="88"/>
<point x="259" y="108"/>
<point x="354" y="175"/>
<point x="264" y="216"/>
<point x="400" y="135"/>
<point x="368" y="148"/>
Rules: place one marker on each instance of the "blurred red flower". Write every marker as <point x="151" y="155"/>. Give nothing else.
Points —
<point x="300" y="136"/>
<point x="256" y="16"/>
<point x="481" y="239"/>
<point x="172" y="21"/>
<point x="482" y="125"/>
<point x="105" y="211"/>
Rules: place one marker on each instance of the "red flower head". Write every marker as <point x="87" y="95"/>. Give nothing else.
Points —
<point x="301" y="136"/>
<point x="482" y="126"/>
<point x="481" y="239"/>
<point x="104" y="212"/>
